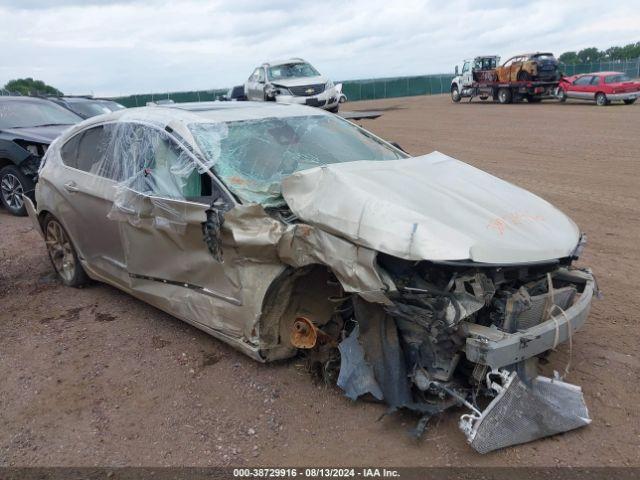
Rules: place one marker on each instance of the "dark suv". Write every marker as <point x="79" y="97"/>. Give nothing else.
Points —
<point x="27" y="126"/>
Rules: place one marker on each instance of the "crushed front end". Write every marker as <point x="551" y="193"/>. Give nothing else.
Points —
<point x="466" y="334"/>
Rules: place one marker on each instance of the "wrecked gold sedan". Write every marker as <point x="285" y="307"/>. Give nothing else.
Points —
<point x="422" y="282"/>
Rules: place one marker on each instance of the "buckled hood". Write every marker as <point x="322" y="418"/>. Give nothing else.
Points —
<point x="431" y="207"/>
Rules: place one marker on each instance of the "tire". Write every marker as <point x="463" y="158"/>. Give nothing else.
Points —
<point x="531" y="99"/>
<point x="455" y="94"/>
<point x="630" y="101"/>
<point x="13" y="183"/>
<point x="504" y="96"/>
<point x="523" y="76"/>
<point x="62" y="253"/>
<point x="560" y="94"/>
<point x="335" y="109"/>
<point x="601" y="99"/>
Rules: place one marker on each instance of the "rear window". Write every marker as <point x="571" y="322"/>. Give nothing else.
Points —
<point x="621" y="77"/>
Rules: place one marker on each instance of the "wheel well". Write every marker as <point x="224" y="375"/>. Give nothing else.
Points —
<point x="41" y="216"/>
<point x="454" y="85"/>
<point x="306" y="291"/>
<point x="5" y="162"/>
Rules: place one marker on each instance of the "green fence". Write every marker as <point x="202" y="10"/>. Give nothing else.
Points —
<point x="354" y="90"/>
<point x="396" y="87"/>
<point x="371" y="89"/>
<point x="630" y="67"/>
<point x="178" y="97"/>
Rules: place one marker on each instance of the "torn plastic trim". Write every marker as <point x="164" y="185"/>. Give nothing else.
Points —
<point x="495" y="348"/>
<point x="33" y="215"/>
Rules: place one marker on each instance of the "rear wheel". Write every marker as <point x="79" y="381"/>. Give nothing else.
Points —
<point x="13" y="184"/>
<point x="504" y="95"/>
<point x="455" y="94"/>
<point x="630" y="101"/>
<point x="601" y="99"/>
<point x="523" y="76"/>
<point x="62" y="253"/>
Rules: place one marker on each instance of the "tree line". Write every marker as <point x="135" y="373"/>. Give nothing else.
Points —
<point x="29" y="86"/>
<point x="592" y="54"/>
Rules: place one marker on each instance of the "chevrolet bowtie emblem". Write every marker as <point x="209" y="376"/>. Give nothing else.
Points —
<point x="309" y="91"/>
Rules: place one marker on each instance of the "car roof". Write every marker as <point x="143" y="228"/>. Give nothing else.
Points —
<point x="274" y="63"/>
<point x="602" y="74"/>
<point x="178" y="115"/>
<point x="25" y="99"/>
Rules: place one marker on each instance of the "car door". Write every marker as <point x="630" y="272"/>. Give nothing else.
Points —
<point x="161" y="208"/>
<point x="87" y="193"/>
<point x="250" y="85"/>
<point x="515" y="68"/>
<point x="593" y="87"/>
<point x="579" y="87"/>
<point x="504" y="72"/>
<point x="261" y="83"/>
<point x="467" y="74"/>
<point x="255" y="85"/>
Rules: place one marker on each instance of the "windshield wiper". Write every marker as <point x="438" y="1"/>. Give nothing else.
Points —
<point x="46" y="125"/>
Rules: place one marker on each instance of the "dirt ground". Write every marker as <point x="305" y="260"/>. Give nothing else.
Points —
<point x="95" y="377"/>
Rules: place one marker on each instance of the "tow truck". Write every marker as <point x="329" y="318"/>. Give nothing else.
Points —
<point x="479" y="79"/>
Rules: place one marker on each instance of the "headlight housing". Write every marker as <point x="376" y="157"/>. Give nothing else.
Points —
<point x="35" y="149"/>
<point x="272" y="90"/>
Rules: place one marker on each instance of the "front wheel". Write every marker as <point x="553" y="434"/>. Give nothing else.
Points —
<point x="455" y="94"/>
<point x="504" y="95"/>
<point x="630" y="101"/>
<point x="62" y="253"/>
<point x="560" y="94"/>
<point x="601" y="100"/>
<point x="13" y="184"/>
<point x="334" y="109"/>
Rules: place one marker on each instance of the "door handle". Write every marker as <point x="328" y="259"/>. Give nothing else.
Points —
<point x="71" y="187"/>
<point x="124" y="209"/>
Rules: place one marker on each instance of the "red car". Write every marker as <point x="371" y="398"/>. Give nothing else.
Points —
<point x="603" y="87"/>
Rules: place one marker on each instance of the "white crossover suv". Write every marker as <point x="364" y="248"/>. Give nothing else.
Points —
<point x="292" y="81"/>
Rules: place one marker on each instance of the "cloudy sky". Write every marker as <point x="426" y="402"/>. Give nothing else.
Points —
<point x="117" y="48"/>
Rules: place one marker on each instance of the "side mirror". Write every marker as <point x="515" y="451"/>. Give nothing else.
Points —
<point x="397" y="145"/>
<point x="457" y="71"/>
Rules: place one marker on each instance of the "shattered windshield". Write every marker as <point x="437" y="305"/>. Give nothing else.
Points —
<point x="292" y="70"/>
<point x="253" y="156"/>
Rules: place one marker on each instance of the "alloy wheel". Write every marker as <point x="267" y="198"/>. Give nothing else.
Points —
<point x="12" y="191"/>
<point x="60" y="250"/>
